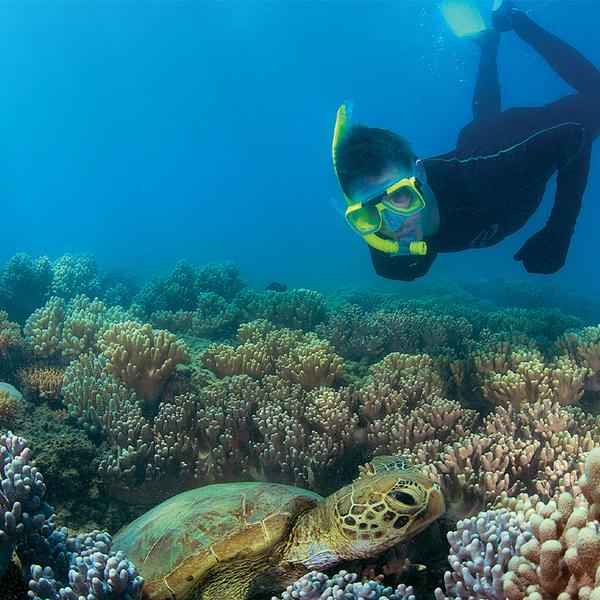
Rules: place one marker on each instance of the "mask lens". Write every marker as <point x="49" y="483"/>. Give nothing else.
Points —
<point x="363" y="219"/>
<point x="404" y="201"/>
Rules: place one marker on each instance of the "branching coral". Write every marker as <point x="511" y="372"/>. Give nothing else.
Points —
<point x="212" y="317"/>
<point x="584" y="347"/>
<point x="344" y="586"/>
<point x="357" y="334"/>
<point x="562" y="559"/>
<point x="10" y="335"/>
<point x="21" y="490"/>
<point x="74" y="275"/>
<point x="41" y="382"/>
<point x="142" y="357"/>
<point x="10" y="409"/>
<point x="98" y="401"/>
<point x="296" y="309"/>
<point x="60" y="329"/>
<point x="293" y="356"/>
<point x="24" y="285"/>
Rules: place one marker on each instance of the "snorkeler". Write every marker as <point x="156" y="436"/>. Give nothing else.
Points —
<point x="408" y="209"/>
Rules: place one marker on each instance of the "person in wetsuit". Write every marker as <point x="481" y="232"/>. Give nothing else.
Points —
<point x="491" y="184"/>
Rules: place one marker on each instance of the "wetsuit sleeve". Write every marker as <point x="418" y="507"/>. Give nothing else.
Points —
<point x="546" y="251"/>
<point x="403" y="268"/>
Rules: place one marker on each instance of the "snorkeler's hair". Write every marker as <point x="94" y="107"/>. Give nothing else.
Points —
<point x="366" y="151"/>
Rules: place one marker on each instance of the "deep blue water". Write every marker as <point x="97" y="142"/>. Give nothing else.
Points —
<point x="147" y="132"/>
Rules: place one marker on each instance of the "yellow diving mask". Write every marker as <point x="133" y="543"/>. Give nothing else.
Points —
<point x="402" y="199"/>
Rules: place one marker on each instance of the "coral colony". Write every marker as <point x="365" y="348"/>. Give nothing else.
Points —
<point x="116" y="396"/>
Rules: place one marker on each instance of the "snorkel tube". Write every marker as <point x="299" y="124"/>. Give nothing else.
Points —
<point x="392" y="247"/>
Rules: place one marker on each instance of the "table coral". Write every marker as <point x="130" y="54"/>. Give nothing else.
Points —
<point x="142" y="357"/>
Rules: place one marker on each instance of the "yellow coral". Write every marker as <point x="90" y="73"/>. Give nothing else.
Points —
<point x="45" y="382"/>
<point x="10" y="335"/>
<point x="142" y="357"/>
<point x="10" y="409"/>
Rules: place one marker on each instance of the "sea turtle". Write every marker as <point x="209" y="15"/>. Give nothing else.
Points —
<point x="231" y="541"/>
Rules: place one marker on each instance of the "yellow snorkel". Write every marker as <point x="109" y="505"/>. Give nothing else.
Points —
<point x="342" y="122"/>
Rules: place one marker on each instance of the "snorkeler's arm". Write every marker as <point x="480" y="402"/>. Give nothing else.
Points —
<point x="403" y="268"/>
<point x="546" y="251"/>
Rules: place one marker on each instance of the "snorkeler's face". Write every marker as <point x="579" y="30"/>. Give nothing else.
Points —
<point x="394" y="226"/>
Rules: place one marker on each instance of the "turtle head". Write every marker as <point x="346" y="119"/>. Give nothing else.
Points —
<point x="379" y="510"/>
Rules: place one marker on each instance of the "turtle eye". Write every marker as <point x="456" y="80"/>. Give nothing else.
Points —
<point x="404" y="498"/>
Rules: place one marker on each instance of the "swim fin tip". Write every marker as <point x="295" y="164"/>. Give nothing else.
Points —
<point x="463" y="17"/>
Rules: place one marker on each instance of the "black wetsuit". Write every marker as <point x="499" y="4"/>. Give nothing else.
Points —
<point x="495" y="179"/>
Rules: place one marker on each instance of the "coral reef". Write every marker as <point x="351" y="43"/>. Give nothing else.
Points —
<point x="198" y="379"/>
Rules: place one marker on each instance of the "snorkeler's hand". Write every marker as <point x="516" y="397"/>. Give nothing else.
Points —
<point x="545" y="252"/>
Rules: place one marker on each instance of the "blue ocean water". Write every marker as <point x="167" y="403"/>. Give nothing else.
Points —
<point x="148" y="132"/>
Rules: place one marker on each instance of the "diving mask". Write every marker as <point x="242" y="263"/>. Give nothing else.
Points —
<point x="401" y="199"/>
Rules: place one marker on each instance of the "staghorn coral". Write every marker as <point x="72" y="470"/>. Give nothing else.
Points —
<point x="41" y="382"/>
<point x="142" y="357"/>
<point x="508" y="373"/>
<point x="343" y="586"/>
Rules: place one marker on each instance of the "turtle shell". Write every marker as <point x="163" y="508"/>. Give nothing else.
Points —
<point x="177" y="542"/>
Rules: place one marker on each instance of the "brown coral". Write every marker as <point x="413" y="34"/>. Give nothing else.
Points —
<point x="142" y="357"/>
<point x="10" y="409"/>
<point x="562" y="560"/>
<point x="10" y="335"/>
<point x="42" y="382"/>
